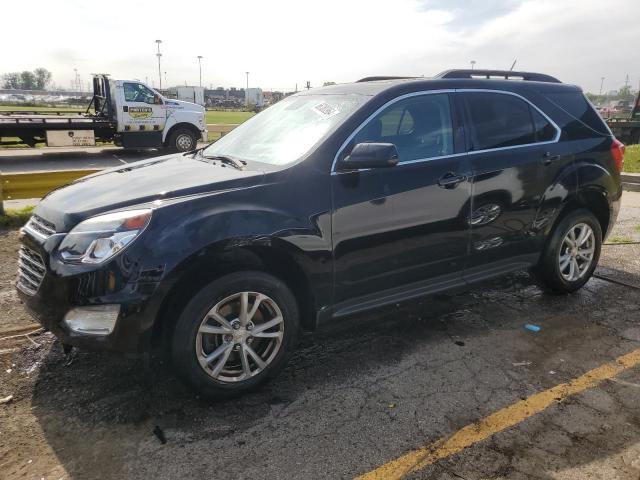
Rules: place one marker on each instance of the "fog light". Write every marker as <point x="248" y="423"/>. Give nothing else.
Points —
<point x="93" y="320"/>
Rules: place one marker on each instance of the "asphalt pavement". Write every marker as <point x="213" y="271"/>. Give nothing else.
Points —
<point x="14" y="160"/>
<point x="454" y="386"/>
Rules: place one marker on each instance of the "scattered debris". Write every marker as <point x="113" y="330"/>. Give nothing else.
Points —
<point x="6" y="399"/>
<point x="392" y="405"/>
<point x="4" y="351"/>
<point x="552" y="372"/>
<point x="37" y="330"/>
<point x="9" y="370"/>
<point x="459" y="343"/>
<point x="521" y="364"/>
<point x="531" y="327"/>
<point x="157" y="431"/>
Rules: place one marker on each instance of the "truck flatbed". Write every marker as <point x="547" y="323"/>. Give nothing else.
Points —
<point x="53" y="121"/>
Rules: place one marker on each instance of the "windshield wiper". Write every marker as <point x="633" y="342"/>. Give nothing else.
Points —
<point x="234" y="162"/>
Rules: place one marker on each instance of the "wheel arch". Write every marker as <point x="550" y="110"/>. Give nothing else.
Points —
<point x="186" y="125"/>
<point x="593" y="199"/>
<point x="220" y="259"/>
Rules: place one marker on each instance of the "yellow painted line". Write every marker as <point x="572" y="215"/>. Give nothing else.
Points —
<point x="499" y="421"/>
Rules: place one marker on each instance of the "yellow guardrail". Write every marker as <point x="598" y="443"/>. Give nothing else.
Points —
<point x="18" y="186"/>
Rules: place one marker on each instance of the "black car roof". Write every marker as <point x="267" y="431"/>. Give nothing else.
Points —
<point x="404" y="85"/>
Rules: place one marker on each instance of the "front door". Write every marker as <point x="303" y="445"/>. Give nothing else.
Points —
<point x="404" y="228"/>
<point x="140" y="109"/>
<point x="515" y="158"/>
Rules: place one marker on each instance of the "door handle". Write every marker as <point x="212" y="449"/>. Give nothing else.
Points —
<point x="450" y="180"/>
<point x="548" y="158"/>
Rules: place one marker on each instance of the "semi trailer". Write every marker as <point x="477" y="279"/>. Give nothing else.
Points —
<point x="127" y="112"/>
<point x="627" y="130"/>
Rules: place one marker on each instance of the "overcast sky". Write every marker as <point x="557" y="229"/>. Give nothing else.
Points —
<point x="284" y="42"/>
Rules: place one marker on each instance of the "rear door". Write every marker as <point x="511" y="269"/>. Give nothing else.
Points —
<point x="140" y="109"/>
<point x="515" y="159"/>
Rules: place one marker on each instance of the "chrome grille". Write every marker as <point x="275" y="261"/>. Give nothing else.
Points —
<point x="31" y="271"/>
<point x="40" y="226"/>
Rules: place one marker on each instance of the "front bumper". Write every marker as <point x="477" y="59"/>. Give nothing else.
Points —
<point x="62" y="289"/>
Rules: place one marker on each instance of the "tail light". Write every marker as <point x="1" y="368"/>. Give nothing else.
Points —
<point x="617" y="152"/>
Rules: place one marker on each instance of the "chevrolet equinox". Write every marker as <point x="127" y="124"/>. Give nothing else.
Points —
<point x="331" y="202"/>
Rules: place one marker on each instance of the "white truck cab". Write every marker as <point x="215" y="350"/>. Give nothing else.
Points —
<point x="145" y="118"/>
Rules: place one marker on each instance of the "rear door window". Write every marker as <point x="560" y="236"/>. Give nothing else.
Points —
<point x="498" y="120"/>
<point x="545" y="131"/>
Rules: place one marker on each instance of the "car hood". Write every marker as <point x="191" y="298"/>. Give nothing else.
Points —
<point x="159" y="178"/>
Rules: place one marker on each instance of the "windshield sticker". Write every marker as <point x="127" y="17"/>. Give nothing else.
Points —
<point x="326" y="110"/>
<point x="140" y="112"/>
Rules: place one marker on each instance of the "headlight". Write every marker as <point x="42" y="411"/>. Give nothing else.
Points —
<point x="99" y="238"/>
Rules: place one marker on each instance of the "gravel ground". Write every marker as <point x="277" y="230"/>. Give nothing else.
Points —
<point x="354" y="396"/>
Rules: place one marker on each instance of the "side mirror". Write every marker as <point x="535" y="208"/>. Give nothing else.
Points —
<point x="370" y="155"/>
<point x="157" y="99"/>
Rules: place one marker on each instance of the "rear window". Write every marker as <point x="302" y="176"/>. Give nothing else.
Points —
<point x="577" y="106"/>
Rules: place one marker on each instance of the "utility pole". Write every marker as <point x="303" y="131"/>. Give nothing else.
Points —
<point x="473" y="64"/>
<point x="308" y="84"/>
<point x="166" y="84"/>
<point x="158" y="42"/>
<point x="246" y="92"/>
<point x="200" y="67"/>
<point x="601" y="84"/>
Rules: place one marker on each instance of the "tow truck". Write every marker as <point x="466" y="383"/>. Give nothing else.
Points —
<point x="627" y="130"/>
<point x="127" y="112"/>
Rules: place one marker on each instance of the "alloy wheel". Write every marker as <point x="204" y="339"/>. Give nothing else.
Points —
<point x="240" y="336"/>
<point x="576" y="252"/>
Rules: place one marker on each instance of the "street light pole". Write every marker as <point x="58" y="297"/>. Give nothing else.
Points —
<point x="473" y="64"/>
<point x="246" y="92"/>
<point x="200" y="67"/>
<point x="601" y="84"/>
<point x="158" y="42"/>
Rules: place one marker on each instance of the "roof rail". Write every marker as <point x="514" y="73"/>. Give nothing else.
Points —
<point x="504" y="74"/>
<point x="376" y="78"/>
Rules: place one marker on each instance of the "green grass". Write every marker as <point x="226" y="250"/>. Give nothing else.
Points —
<point x="632" y="159"/>
<point x="637" y="228"/>
<point x="15" y="218"/>
<point x="214" y="116"/>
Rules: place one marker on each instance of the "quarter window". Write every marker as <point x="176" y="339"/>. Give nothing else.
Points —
<point x="420" y="127"/>
<point x="499" y="120"/>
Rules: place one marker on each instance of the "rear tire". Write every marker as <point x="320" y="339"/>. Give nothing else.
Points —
<point x="571" y="254"/>
<point x="182" y="140"/>
<point x="222" y="352"/>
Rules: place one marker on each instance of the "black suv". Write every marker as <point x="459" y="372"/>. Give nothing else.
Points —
<point x="332" y="201"/>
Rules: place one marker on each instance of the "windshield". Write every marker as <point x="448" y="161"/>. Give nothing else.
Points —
<point x="286" y="131"/>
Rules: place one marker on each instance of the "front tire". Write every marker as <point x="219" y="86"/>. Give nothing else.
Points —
<point x="572" y="253"/>
<point x="235" y="334"/>
<point x="182" y="140"/>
